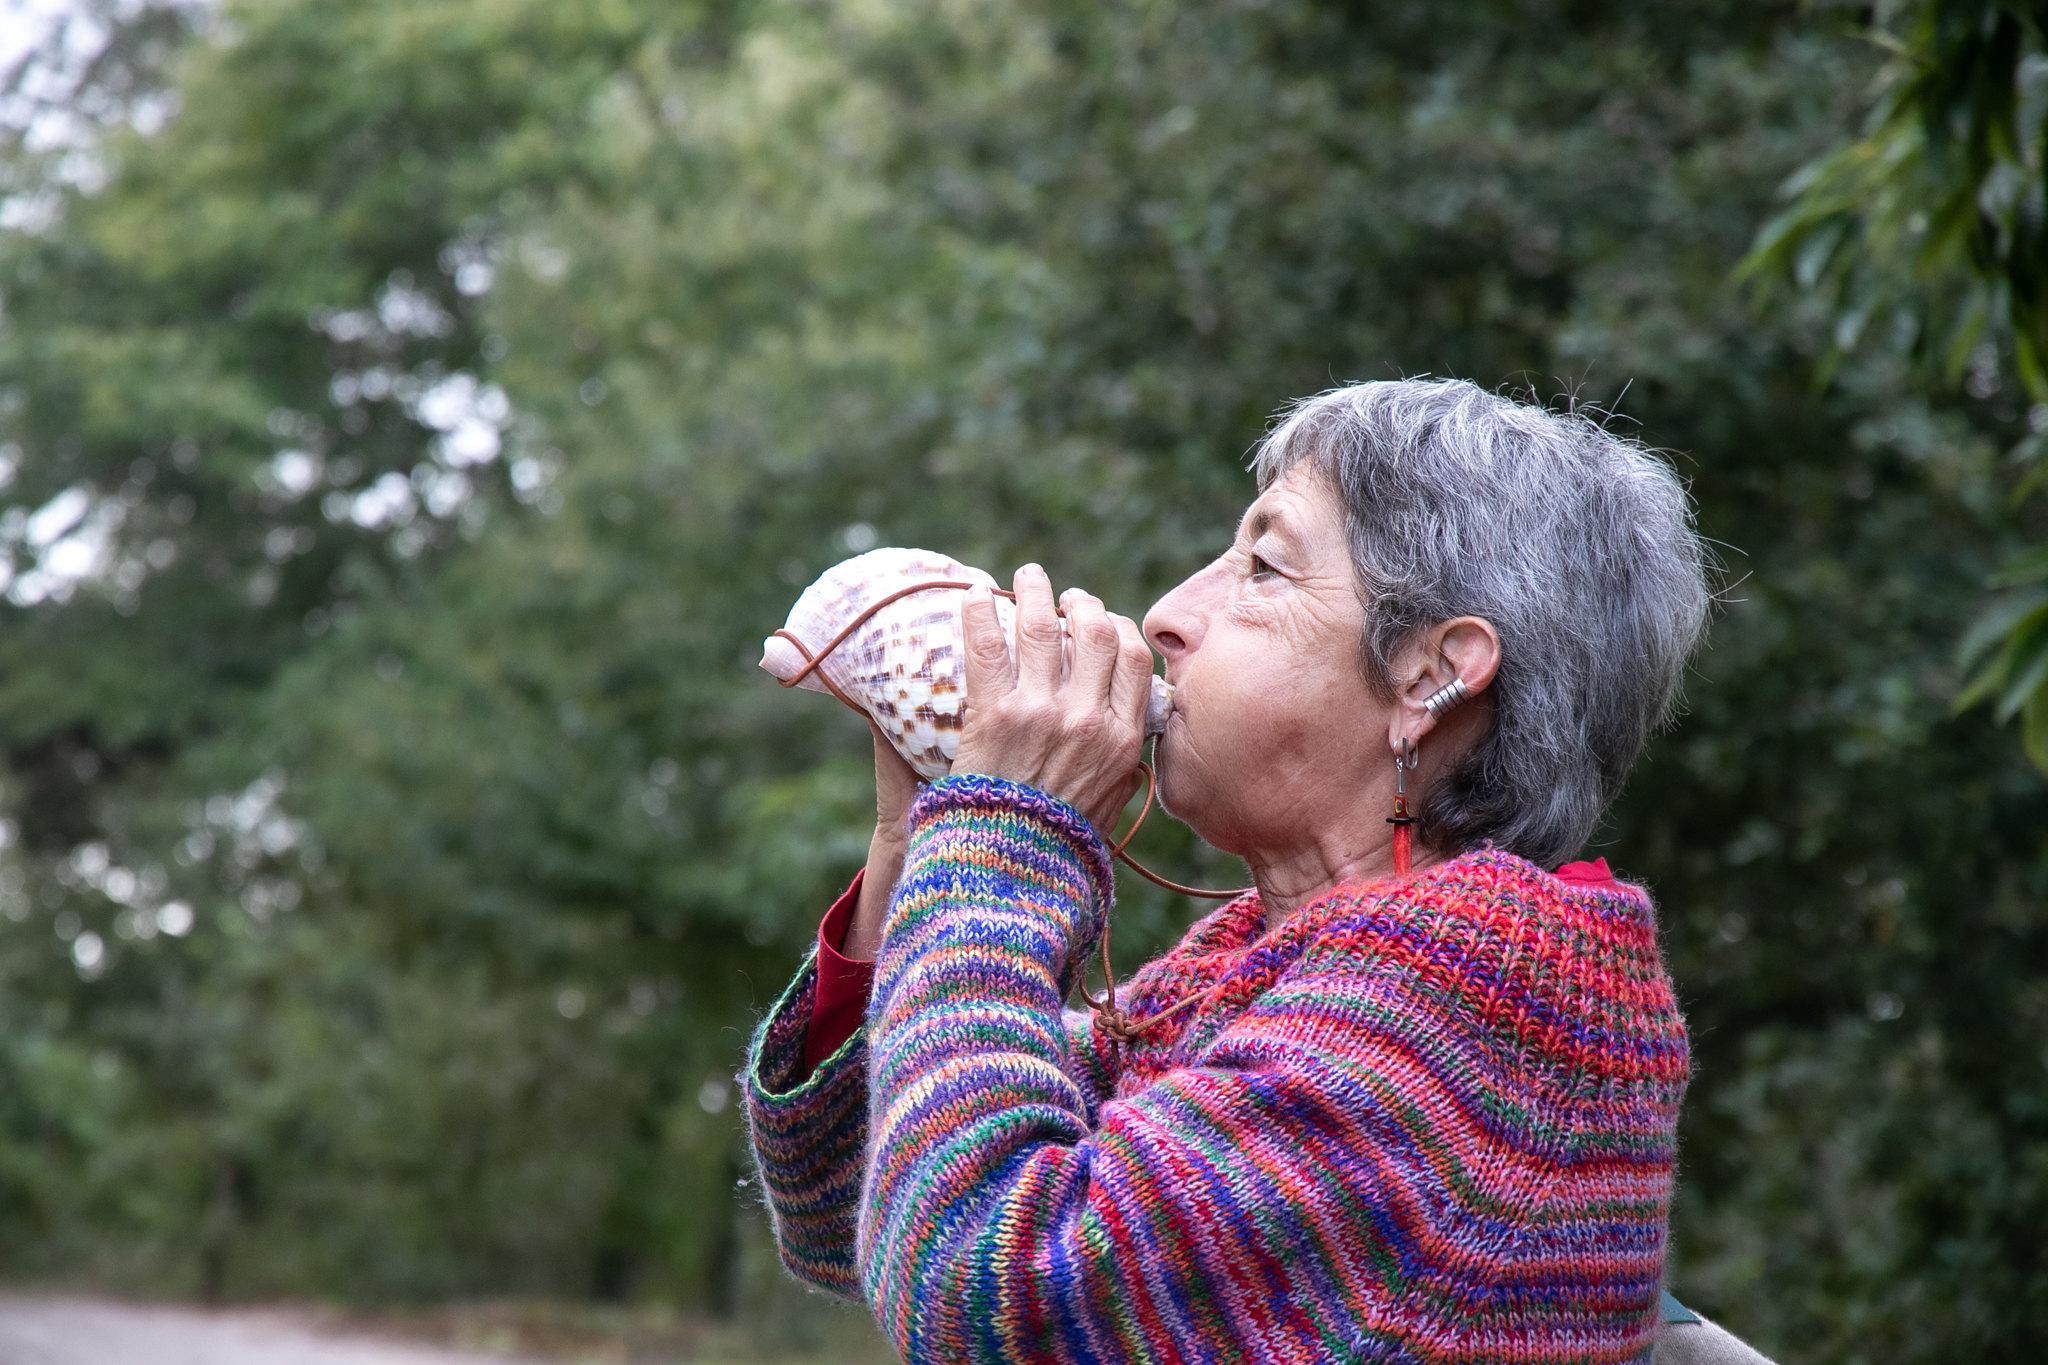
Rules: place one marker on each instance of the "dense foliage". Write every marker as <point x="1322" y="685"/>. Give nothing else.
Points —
<point x="1929" y="234"/>
<point x="414" y="423"/>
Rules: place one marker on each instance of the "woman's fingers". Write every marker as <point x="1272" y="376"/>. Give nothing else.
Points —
<point x="988" y="653"/>
<point x="1069" y="720"/>
<point x="1130" y="689"/>
<point x="1038" y="633"/>
<point x="1092" y="639"/>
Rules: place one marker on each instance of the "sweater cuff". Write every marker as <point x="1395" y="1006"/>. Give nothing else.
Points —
<point x="777" y="1074"/>
<point x="975" y="795"/>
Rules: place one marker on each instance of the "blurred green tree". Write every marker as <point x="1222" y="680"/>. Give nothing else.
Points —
<point x="1931" y="231"/>
<point x="575" y="343"/>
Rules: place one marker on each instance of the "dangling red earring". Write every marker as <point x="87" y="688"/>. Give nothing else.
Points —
<point x="1405" y="759"/>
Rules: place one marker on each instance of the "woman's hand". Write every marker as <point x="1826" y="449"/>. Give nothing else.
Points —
<point x="895" y="790"/>
<point x="1068" y="717"/>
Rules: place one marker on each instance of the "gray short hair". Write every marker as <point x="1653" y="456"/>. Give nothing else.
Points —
<point x="1575" y="543"/>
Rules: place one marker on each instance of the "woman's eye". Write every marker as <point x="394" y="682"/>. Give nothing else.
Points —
<point x="1260" y="568"/>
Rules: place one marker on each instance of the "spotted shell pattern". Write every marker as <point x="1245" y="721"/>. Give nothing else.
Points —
<point x="904" y="666"/>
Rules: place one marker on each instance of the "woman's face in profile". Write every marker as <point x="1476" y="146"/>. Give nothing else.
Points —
<point x="1274" y="729"/>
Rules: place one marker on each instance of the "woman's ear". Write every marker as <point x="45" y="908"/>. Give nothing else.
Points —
<point x="1465" y="649"/>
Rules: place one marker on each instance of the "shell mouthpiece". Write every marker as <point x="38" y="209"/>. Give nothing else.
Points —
<point x="1159" y="707"/>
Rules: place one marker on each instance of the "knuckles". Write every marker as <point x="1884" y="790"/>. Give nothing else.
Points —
<point x="1039" y="630"/>
<point x="1101" y="633"/>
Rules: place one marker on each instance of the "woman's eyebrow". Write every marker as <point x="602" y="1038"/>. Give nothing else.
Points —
<point x="1267" y="520"/>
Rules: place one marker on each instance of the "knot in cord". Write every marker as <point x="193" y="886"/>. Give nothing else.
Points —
<point x="1113" y="1024"/>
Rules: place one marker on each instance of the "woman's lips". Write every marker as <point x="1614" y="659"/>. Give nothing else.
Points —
<point x="1176" y="722"/>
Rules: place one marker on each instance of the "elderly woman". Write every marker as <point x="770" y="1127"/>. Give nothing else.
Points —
<point x="1377" y="1108"/>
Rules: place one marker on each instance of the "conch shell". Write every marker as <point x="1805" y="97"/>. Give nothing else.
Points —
<point x="905" y="665"/>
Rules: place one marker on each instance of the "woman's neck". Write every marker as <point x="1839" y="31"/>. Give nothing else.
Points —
<point x="1288" y="879"/>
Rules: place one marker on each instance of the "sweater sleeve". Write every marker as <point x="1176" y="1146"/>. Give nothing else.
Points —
<point x="1305" y="1194"/>
<point x="808" y="1126"/>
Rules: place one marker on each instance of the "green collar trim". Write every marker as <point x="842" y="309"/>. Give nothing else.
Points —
<point x="1671" y="1310"/>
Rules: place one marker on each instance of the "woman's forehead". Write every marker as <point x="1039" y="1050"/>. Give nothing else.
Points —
<point x="1297" y="505"/>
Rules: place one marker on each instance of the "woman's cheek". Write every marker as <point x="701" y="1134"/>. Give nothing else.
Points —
<point x="1199" y="752"/>
<point x="1254" y="610"/>
<point x="1195" y="753"/>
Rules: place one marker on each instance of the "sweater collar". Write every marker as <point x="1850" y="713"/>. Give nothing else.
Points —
<point x="1242" y="923"/>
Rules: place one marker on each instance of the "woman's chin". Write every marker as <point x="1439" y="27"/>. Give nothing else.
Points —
<point x="1186" y="790"/>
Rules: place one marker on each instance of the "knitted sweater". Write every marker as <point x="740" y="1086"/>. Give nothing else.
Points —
<point x="1429" y="1120"/>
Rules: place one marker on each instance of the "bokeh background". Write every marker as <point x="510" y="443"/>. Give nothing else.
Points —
<point x="413" y="413"/>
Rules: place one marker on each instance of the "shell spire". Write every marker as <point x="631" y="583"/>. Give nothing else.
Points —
<point x="904" y="665"/>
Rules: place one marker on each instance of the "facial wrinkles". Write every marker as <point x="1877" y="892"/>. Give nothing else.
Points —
<point x="1308" y="597"/>
<point x="1277" y="751"/>
<point x="1294" y="629"/>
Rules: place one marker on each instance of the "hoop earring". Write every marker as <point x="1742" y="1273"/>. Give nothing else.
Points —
<point x="1405" y="760"/>
<point x="1449" y="697"/>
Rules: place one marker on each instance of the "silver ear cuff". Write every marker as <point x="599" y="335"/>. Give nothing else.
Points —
<point x="1447" y="698"/>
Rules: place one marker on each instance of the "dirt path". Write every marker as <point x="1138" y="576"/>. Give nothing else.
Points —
<point x="81" y="1331"/>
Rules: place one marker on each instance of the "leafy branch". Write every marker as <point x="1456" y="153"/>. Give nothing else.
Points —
<point x="1932" y="228"/>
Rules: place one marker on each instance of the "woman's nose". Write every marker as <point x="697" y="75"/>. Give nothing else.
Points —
<point x="1175" y="624"/>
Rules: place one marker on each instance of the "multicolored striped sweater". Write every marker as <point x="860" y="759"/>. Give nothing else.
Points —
<point x="1428" y="1120"/>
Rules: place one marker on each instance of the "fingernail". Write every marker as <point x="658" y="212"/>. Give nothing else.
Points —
<point x="1034" y="569"/>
